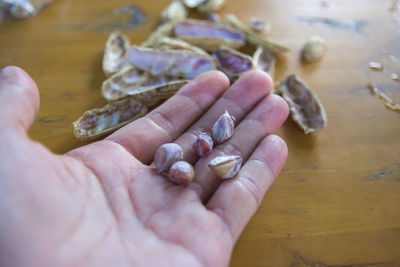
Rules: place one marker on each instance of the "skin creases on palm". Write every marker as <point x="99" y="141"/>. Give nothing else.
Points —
<point x="104" y="204"/>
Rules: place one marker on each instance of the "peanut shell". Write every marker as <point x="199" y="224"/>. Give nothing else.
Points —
<point x="305" y="107"/>
<point x="97" y="122"/>
<point x="114" y="53"/>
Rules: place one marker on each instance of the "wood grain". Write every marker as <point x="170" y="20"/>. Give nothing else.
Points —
<point x="337" y="201"/>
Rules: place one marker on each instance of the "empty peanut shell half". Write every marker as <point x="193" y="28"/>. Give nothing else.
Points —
<point x="305" y="108"/>
<point x="225" y="167"/>
<point x="141" y="85"/>
<point x="181" y="64"/>
<point x="156" y="88"/>
<point x="116" y="86"/>
<point x="114" y="53"/>
<point x="264" y="60"/>
<point x="164" y="30"/>
<point x="96" y="122"/>
<point x="255" y="38"/>
<point x="175" y="11"/>
<point x="232" y="62"/>
<point x="23" y="9"/>
<point x="167" y="43"/>
<point x="259" y="26"/>
<point x="213" y="17"/>
<point x="211" y="6"/>
<point x="207" y="35"/>
<point x="193" y="3"/>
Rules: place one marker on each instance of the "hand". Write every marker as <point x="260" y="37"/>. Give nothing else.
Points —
<point x="103" y="205"/>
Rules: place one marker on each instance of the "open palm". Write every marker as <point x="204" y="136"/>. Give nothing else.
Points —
<point x="104" y="205"/>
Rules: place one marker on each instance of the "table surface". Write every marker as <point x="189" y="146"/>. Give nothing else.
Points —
<point x="337" y="200"/>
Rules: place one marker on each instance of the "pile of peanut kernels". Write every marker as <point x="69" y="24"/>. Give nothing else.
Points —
<point x="168" y="157"/>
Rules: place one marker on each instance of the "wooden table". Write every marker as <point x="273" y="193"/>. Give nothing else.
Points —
<point x="337" y="201"/>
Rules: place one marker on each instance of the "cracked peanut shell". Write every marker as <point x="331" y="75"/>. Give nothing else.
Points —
<point x="114" y="53"/>
<point x="207" y="35"/>
<point x="99" y="121"/>
<point x="141" y="85"/>
<point x="305" y="107"/>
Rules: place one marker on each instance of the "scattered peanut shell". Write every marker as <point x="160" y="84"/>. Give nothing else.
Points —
<point x="207" y="35"/>
<point x="203" y="145"/>
<point x="175" y="11"/>
<point x="193" y="3"/>
<point x="232" y="62"/>
<point x="23" y="9"/>
<point x="165" y="29"/>
<point x="181" y="173"/>
<point x="375" y="65"/>
<point x="156" y="88"/>
<point x="167" y="43"/>
<point x="272" y="46"/>
<point x="314" y="49"/>
<point x="258" y="25"/>
<point x="179" y="64"/>
<point x="395" y="77"/>
<point x="223" y="128"/>
<point x="116" y="86"/>
<point x="213" y="17"/>
<point x="141" y="85"/>
<point x="305" y="108"/>
<point x="394" y="59"/>
<point x="114" y="53"/>
<point x="389" y="103"/>
<point x="225" y="167"/>
<point x="39" y="4"/>
<point x="211" y="6"/>
<point x="393" y="106"/>
<point x="254" y="38"/>
<point x="264" y="60"/>
<point x="96" y="122"/>
<point x="377" y="92"/>
<point x="166" y="155"/>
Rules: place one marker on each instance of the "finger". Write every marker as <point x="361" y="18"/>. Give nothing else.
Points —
<point x="19" y="98"/>
<point x="164" y="124"/>
<point x="243" y="95"/>
<point x="265" y="119"/>
<point x="236" y="200"/>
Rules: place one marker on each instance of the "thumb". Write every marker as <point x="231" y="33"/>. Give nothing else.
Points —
<point x="19" y="99"/>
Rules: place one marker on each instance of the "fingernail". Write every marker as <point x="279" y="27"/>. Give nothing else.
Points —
<point x="5" y="71"/>
<point x="2" y="70"/>
<point x="11" y="75"/>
